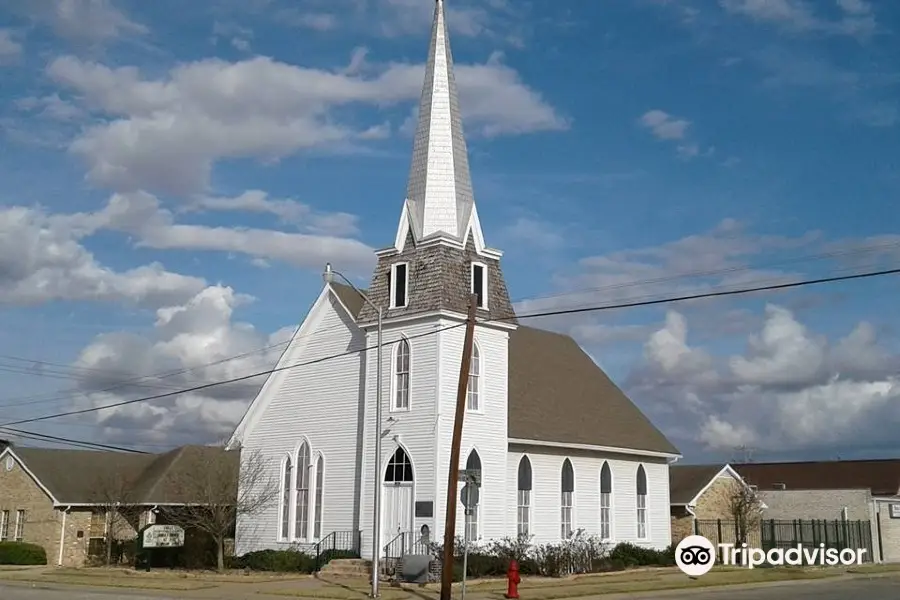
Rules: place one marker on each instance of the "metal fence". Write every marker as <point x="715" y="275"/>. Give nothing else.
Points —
<point x="770" y="533"/>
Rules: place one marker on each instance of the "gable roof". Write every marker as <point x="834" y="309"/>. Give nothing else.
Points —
<point x="686" y="482"/>
<point x="85" y="476"/>
<point x="557" y="393"/>
<point x="881" y="476"/>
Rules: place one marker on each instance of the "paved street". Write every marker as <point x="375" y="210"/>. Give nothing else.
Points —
<point x="880" y="588"/>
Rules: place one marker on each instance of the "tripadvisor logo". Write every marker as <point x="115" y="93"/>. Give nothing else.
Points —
<point x="695" y="556"/>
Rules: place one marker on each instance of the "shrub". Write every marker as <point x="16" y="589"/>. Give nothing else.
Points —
<point x="281" y="561"/>
<point x="632" y="555"/>
<point x="22" y="553"/>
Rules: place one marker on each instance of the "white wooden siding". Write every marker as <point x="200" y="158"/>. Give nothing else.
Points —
<point x="485" y="431"/>
<point x="414" y="429"/>
<point x="321" y="402"/>
<point x="546" y="465"/>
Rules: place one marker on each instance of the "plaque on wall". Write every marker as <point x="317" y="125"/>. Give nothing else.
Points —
<point x="894" y="511"/>
<point x="424" y="509"/>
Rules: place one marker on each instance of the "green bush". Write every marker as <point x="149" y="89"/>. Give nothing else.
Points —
<point x="22" y="553"/>
<point x="279" y="561"/>
<point x="631" y="555"/>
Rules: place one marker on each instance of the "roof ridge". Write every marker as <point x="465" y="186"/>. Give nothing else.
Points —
<point x="176" y="453"/>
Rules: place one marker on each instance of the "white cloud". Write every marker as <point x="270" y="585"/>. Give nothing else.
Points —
<point x="165" y="134"/>
<point x="792" y="390"/>
<point x="141" y="215"/>
<point x="10" y="49"/>
<point x="288" y="211"/>
<point x="186" y="339"/>
<point x="91" y="21"/>
<point x="664" y="126"/>
<point x="856" y="17"/>
<point x="41" y="260"/>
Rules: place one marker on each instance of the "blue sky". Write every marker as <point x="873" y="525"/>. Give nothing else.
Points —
<point x="618" y="151"/>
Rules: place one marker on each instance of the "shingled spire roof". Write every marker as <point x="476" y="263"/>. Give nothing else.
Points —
<point x="439" y="192"/>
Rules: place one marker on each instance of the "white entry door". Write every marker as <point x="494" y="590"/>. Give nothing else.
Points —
<point x="397" y="511"/>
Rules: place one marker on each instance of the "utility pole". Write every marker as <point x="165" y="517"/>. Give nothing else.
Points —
<point x="453" y="475"/>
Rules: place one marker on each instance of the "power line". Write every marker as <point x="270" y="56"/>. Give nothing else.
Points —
<point x="670" y="300"/>
<point x="141" y="380"/>
<point x="68" y="441"/>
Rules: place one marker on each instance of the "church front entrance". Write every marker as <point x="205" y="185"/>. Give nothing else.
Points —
<point x="397" y="504"/>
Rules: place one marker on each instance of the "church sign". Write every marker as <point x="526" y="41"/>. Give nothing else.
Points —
<point x="163" y="536"/>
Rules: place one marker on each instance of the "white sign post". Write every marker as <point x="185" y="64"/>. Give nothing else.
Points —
<point x="469" y="497"/>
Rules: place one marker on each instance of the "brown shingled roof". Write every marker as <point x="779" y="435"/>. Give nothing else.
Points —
<point x="557" y="393"/>
<point x="881" y="476"/>
<point x="686" y="481"/>
<point x="80" y="476"/>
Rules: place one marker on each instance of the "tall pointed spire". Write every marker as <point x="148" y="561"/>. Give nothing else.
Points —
<point x="439" y="192"/>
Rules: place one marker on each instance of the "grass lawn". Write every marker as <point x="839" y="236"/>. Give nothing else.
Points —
<point x="588" y="585"/>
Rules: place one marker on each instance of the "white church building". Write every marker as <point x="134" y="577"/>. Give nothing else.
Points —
<point x="560" y="447"/>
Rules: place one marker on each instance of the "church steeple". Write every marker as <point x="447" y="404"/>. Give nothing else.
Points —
<point x="439" y="191"/>
<point x="439" y="256"/>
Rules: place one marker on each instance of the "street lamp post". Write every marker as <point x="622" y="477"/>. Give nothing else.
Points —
<point x="329" y="276"/>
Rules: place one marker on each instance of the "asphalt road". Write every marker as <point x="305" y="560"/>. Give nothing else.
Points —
<point x="876" y="588"/>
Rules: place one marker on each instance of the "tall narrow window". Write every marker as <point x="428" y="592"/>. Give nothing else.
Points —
<point x="567" y="485"/>
<point x="286" y="499"/>
<point x="399" y="285"/>
<point x="320" y="484"/>
<point x="523" y="501"/>
<point x="20" y="525"/>
<point x="4" y="526"/>
<point x="401" y="376"/>
<point x="473" y="393"/>
<point x="479" y="284"/>
<point x="301" y="518"/>
<point x="605" y="502"/>
<point x="641" y="503"/>
<point x="472" y="464"/>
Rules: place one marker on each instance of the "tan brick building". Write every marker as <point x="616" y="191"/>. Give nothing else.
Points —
<point x="64" y="499"/>
<point x="864" y="490"/>
<point x="702" y="493"/>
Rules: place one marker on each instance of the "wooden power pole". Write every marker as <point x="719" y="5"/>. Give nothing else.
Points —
<point x="453" y="474"/>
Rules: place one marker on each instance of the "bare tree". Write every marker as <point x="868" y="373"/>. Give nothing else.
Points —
<point x="114" y="497"/>
<point x="746" y="511"/>
<point x="220" y="487"/>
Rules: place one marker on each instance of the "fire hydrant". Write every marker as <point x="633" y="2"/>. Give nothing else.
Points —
<point x="513" y="580"/>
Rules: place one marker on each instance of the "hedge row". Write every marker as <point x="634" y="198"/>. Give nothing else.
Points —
<point x="578" y="554"/>
<point x="22" y="553"/>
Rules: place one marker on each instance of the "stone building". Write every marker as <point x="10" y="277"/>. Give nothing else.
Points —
<point x="835" y="490"/>
<point x="702" y="493"/>
<point x="64" y="500"/>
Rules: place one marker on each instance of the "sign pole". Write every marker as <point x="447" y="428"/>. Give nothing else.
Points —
<point x="466" y="545"/>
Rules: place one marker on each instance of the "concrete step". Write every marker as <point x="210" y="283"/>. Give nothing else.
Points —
<point x="347" y="567"/>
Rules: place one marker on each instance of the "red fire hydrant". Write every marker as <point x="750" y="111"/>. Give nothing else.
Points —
<point x="513" y="580"/>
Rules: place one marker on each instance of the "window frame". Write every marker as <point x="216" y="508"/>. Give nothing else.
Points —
<point x="4" y="525"/>
<point x="478" y="363"/>
<point x="473" y="520"/>
<point x="483" y="304"/>
<point x="301" y="517"/>
<point x="524" y="507"/>
<point x="564" y="507"/>
<point x="20" y="525"/>
<point x="609" y="508"/>
<point x="319" y="497"/>
<point x="285" y="503"/>
<point x="642" y="513"/>
<point x="393" y="285"/>
<point x="396" y="374"/>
